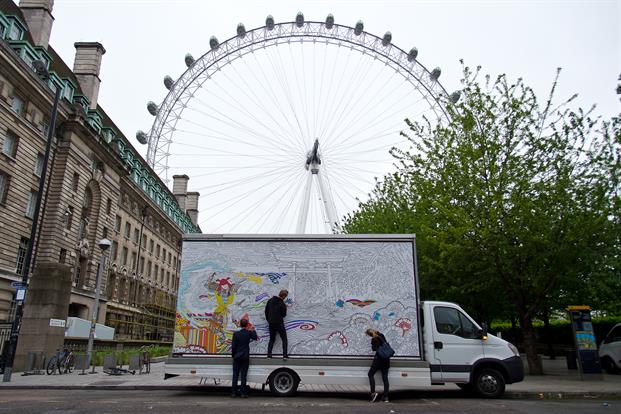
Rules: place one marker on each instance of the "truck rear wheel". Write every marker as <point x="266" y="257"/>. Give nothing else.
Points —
<point x="283" y="383"/>
<point x="489" y="383"/>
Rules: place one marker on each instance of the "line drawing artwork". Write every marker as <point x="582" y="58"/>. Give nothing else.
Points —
<point x="337" y="290"/>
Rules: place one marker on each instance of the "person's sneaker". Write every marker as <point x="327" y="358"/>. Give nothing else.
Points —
<point x="374" y="396"/>
<point x="269" y="356"/>
<point x="285" y="357"/>
<point x="385" y="399"/>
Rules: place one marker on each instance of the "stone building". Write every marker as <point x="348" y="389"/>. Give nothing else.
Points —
<point x="97" y="186"/>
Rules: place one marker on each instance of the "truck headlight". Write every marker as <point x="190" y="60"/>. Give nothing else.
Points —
<point x="514" y="349"/>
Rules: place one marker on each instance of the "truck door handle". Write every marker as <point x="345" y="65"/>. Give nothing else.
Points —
<point x="437" y="345"/>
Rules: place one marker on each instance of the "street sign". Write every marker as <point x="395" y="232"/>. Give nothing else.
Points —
<point x="20" y="294"/>
<point x="58" y="322"/>
<point x="18" y="285"/>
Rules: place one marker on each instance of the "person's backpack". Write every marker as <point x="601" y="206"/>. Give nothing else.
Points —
<point x="385" y="351"/>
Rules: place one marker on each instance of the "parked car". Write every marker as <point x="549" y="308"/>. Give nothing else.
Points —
<point x="610" y="350"/>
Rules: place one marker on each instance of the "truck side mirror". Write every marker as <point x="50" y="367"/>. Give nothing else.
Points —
<point x="482" y="333"/>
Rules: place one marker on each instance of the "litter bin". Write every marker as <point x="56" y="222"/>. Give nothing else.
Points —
<point x="572" y="362"/>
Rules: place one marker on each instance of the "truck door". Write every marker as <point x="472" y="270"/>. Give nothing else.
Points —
<point x="455" y="343"/>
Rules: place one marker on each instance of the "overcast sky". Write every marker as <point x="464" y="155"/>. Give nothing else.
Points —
<point x="146" y="40"/>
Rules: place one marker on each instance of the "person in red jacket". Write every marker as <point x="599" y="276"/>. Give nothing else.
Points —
<point x="275" y="312"/>
<point x="240" y="350"/>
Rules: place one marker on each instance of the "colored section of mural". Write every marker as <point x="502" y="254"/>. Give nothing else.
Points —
<point x="336" y="291"/>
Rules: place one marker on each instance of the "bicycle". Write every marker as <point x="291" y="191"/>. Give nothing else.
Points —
<point x="64" y="361"/>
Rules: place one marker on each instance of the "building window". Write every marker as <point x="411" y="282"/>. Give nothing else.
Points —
<point x="128" y="230"/>
<point x="32" y="202"/>
<point x="141" y="266"/>
<point x="169" y="258"/>
<point x="45" y="126"/>
<point x="133" y="262"/>
<point x="136" y="235"/>
<point x="164" y="255"/>
<point x="151" y="244"/>
<point x="104" y="234"/>
<point x="124" y="256"/>
<point x="149" y="268"/>
<point x="109" y="206"/>
<point x="38" y="170"/>
<point x="21" y="255"/>
<point x="17" y="105"/>
<point x="117" y="224"/>
<point x="68" y="92"/>
<point x="76" y="182"/>
<point x="157" y="251"/>
<point x="62" y="258"/>
<point x="113" y="250"/>
<point x="15" y="33"/>
<point x="156" y="273"/>
<point x="5" y="179"/>
<point x="144" y="241"/>
<point x="69" y="218"/>
<point x="9" y="146"/>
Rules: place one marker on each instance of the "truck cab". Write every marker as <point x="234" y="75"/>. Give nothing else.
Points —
<point x="460" y="351"/>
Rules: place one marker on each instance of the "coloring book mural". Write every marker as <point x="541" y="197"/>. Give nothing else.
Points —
<point x="337" y="290"/>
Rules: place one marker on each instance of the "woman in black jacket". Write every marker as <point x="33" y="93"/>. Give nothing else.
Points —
<point x="377" y="339"/>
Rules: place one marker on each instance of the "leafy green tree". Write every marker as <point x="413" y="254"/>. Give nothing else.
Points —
<point x="513" y="203"/>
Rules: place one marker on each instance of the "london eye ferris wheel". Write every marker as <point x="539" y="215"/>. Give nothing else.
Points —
<point x="286" y="127"/>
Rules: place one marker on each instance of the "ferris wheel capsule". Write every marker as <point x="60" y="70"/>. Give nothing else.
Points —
<point x="455" y="96"/>
<point x="412" y="55"/>
<point x="168" y="82"/>
<point x="189" y="60"/>
<point x="152" y="108"/>
<point x="299" y="19"/>
<point x="329" y="21"/>
<point x="435" y="74"/>
<point x="142" y="137"/>
<point x="213" y="43"/>
<point x="386" y="39"/>
<point x="241" y="30"/>
<point x="358" y="28"/>
<point x="269" y="22"/>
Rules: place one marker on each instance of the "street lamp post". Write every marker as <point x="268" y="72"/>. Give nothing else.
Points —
<point x="104" y="244"/>
<point x="144" y="212"/>
<point x="43" y="73"/>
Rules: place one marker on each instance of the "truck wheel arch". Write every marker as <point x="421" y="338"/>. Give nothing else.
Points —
<point x="488" y="363"/>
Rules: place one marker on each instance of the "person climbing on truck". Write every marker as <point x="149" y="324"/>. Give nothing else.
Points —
<point x="275" y="312"/>
<point x="240" y="350"/>
<point x="380" y="362"/>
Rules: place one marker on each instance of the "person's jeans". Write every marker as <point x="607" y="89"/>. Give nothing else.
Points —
<point x="280" y="330"/>
<point x="383" y="365"/>
<point x="240" y="368"/>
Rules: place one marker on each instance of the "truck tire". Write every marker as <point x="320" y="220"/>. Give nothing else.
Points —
<point x="489" y="383"/>
<point x="283" y="383"/>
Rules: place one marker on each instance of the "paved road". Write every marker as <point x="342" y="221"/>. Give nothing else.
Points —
<point x="215" y="401"/>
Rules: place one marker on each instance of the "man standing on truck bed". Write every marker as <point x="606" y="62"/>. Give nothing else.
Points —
<point x="275" y="312"/>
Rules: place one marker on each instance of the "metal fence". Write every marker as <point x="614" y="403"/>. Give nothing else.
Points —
<point x="5" y="335"/>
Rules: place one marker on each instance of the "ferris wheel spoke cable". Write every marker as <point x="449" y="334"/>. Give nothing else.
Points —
<point x="337" y="92"/>
<point x="262" y="105"/>
<point x="246" y="179"/>
<point x="271" y="211"/>
<point x="259" y="202"/>
<point x="220" y="136"/>
<point x="253" y="99"/>
<point x="373" y="103"/>
<point x="227" y="203"/>
<point x="232" y="123"/>
<point x="377" y="119"/>
<point x="225" y="153"/>
<point x="353" y="82"/>
<point x="302" y="90"/>
<point x="284" y="81"/>
<point x="279" y="106"/>
<point x="321" y="88"/>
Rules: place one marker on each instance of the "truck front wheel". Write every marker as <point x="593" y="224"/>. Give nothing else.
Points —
<point x="489" y="383"/>
<point x="283" y="383"/>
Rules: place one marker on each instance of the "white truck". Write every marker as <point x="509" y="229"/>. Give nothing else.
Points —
<point x="339" y="285"/>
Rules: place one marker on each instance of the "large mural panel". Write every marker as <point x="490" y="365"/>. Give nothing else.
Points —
<point x="337" y="289"/>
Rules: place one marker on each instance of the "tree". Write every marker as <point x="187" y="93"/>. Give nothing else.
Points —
<point x="513" y="203"/>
